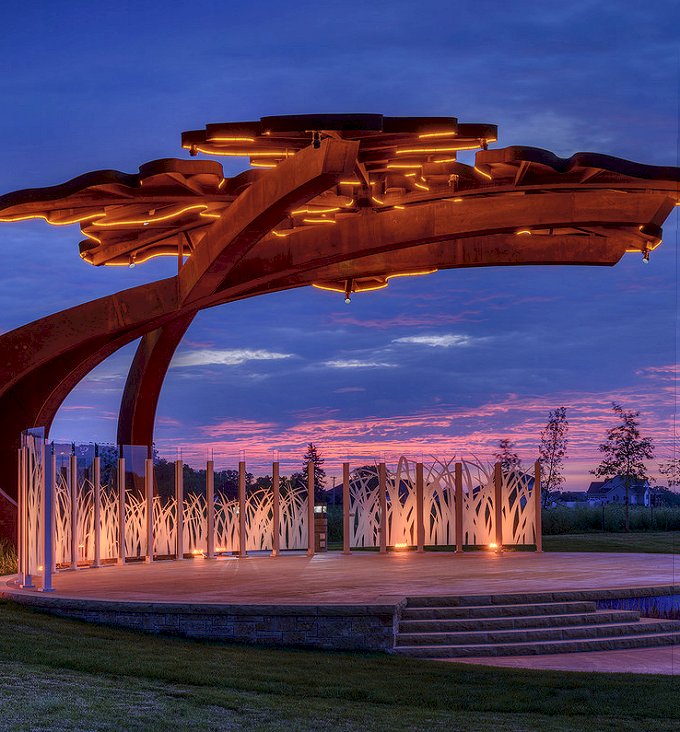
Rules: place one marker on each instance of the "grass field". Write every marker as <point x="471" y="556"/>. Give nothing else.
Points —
<point x="664" y="542"/>
<point x="64" y="675"/>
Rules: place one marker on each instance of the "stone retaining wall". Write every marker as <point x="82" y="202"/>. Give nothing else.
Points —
<point x="338" y="627"/>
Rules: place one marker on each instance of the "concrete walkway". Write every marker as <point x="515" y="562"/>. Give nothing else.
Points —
<point x="664" y="660"/>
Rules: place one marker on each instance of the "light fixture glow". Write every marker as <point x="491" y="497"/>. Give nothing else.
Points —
<point x="429" y="150"/>
<point x="152" y="220"/>
<point x="444" y="133"/>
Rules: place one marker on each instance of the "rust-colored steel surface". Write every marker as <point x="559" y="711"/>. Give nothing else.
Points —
<point x="344" y="202"/>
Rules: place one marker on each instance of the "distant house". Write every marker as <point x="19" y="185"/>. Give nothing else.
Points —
<point x="614" y="491"/>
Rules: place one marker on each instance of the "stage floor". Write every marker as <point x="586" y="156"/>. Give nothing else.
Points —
<point x="364" y="578"/>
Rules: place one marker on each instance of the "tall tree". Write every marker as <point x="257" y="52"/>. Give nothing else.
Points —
<point x="553" y="451"/>
<point x="625" y="451"/>
<point x="671" y="469"/>
<point x="312" y="455"/>
<point x="507" y="456"/>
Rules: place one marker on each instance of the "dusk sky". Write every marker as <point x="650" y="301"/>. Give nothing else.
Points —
<point x="439" y="365"/>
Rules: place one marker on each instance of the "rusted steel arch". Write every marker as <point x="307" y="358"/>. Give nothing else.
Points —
<point x="49" y="357"/>
<point x="366" y="213"/>
<point x="408" y="228"/>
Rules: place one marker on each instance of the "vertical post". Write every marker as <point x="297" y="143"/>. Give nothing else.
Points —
<point x="382" y="497"/>
<point x="242" y="538"/>
<point x="73" y="491"/>
<point x="47" y="522"/>
<point x="276" y="510"/>
<point x="25" y="472"/>
<point x="538" y="519"/>
<point x="498" y="505"/>
<point x="420" y="509"/>
<point x="97" y="483"/>
<point x="179" y="509"/>
<point x="210" y="506"/>
<point x="121" y="510"/>
<point x="310" y="509"/>
<point x="346" y="536"/>
<point x="148" y="490"/>
<point x="21" y="507"/>
<point x="459" y="507"/>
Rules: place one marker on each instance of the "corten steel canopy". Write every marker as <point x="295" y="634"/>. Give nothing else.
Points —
<point x="343" y="202"/>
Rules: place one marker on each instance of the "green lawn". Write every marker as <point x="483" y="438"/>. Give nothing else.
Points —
<point x="664" y="542"/>
<point x="64" y="675"/>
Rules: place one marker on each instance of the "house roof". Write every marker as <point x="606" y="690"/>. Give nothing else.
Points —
<point x="601" y="488"/>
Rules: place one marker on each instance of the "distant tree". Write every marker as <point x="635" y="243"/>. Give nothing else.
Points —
<point x="671" y="469"/>
<point x="553" y="451"/>
<point x="312" y="455"/>
<point x="507" y="456"/>
<point x="625" y="451"/>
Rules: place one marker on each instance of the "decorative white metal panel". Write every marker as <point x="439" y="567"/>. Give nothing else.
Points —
<point x="439" y="505"/>
<point x="33" y="444"/>
<point x="259" y="518"/>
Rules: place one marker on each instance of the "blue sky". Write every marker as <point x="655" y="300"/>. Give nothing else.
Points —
<point x="441" y="364"/>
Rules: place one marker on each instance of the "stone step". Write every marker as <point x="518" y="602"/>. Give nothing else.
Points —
<point x="505" y="599"/>
<point x="532" y="635"/>
<point x="645" y="640"/>
<point x="522" y="621"/>
<point x="496" y="611"/>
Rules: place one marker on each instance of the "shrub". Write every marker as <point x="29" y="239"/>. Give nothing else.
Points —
<point x="8" y="558"/>
<point x="584" y="519"/>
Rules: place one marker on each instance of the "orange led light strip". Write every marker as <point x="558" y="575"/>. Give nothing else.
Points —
<point x="165" y="217"/>
<point x="446" y="133"/>
<point x="231" y="139"/>
<point x="245" y="153"/>
<point x="314" y="211"/>
<point x="481" y="172"/>
<point x="411" y="274"/>
<point x="318" y="221"/>
<point x="425" y="150"/>
<point x="45" y="217"/>
<point x="146" y="259"/>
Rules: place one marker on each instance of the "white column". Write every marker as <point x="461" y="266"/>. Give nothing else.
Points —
<point x="179" y="508"/>
<point x="121" y="510"/>
<point x="420" y="509"/>
<point x="210" y="506"/>
<point x="498" y="505"/>
<point x="242" y="537"/>
<point x="346" y="528"/>
<point x="459" y="507"/>
<point x="276" y="510"/>
<point x="538" y="525"/>
<point x="97" y="484"/>
<point x="73" y="491"/>
<point x="27" y="576"/>
<point x="310" y="509"/>
<point x="148" y="490"/>
<point x="47" y="522"/>
<point x="382" y="498"/>
<point x="21" y="507"/>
